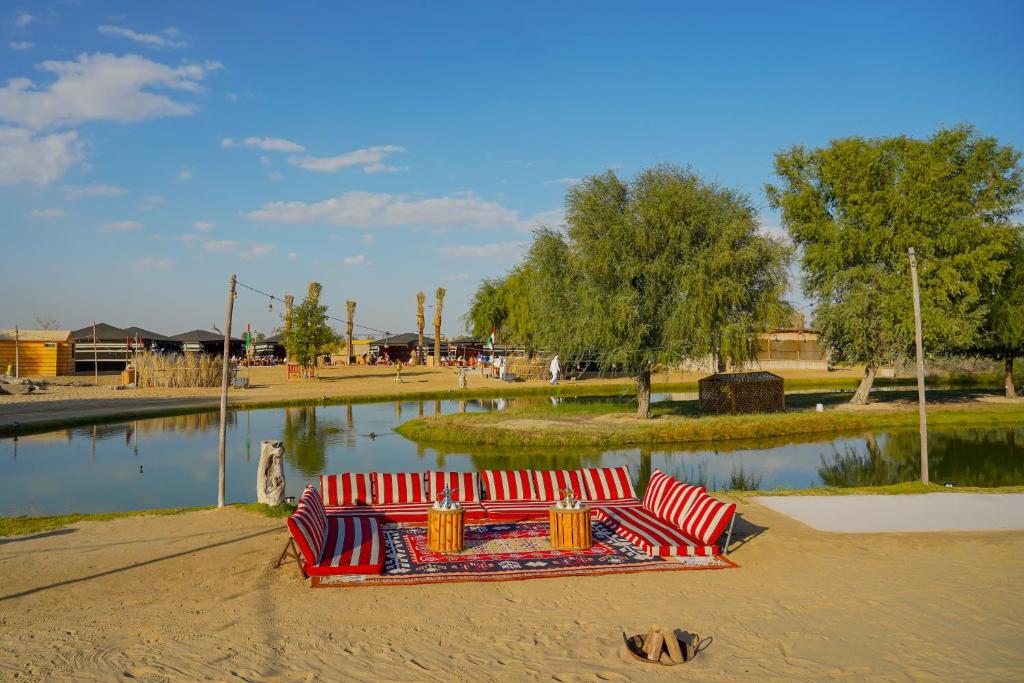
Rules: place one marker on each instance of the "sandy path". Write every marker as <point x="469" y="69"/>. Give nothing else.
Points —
<point x="194" y="597"/>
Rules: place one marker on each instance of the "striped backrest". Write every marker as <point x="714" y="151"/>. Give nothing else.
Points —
<point x="399" y="487"/>
<point x="548" y="483"/>
<point x="656" y="487"/>
<point x="676" y="502"/>
<point x="308" y="525"/>
<point x="351" y="488"/>
<point x="509" y="485"/>
<point x="465" y="485"/>
<point x="608" y="483"/>
<point x="707" y="518"/>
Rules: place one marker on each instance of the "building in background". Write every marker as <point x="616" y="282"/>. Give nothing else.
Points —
<point x="37" y="353"/>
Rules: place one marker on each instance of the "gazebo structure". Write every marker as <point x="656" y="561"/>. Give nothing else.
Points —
<point x="734" y="393"/>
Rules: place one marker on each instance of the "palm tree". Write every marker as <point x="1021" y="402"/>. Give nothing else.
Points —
<point x="350" y="308"/>
<point x="289" y="302"/>
<point x="420" y="299"/>
<point x="439" y="294"/>
<point x="314" y="290"/>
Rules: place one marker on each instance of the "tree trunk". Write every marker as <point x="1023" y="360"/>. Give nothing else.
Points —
<point x="1010" y="389"/>
<point x="643" y="395"/>
<point x="270" y="475"/>
<point x="860" y="397"/>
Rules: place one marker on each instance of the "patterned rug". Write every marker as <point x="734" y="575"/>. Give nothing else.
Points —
<point x="503" y="551"/>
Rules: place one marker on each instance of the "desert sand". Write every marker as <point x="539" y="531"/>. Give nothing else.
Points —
<point x="195" y="597"/>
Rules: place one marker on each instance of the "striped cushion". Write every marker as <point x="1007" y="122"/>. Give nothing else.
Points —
<point x="353" y="545"/>
<point x="652" y="535"/>
<point x="707" y="518"/>
<point x="399" y="487"/>
<point x="607" y="483"/>
<point x="307" y="525"/>
<point x="347" y="489"/>
<point x="548" y="483"/>
<point x="465" y="485"/>
<point x="677" y="502"/>
<point x="656" y="487"/>
<point x="509" y="485"/>
<point x="517" y="509"/>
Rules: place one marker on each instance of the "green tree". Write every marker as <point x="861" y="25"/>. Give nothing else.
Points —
<point x="855" y="207"/>
<point x="506" y="305"/>
<point x="1003" y="332"/>
<point x="308" y="335"/>
<point x="664" y="268"/>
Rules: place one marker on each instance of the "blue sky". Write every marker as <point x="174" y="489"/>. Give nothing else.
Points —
<point x="149" y="150"/>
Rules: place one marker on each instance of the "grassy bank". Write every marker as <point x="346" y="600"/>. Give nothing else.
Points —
<point x="23" y="525"/>
<point x="607" y="425"/>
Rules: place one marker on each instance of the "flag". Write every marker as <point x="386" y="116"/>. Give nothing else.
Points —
<point x="490" y="340"/>
<point x="248" y="340"/>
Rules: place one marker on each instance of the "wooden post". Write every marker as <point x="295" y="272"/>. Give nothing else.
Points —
<point x="95" y="357"/>
<point x="222" y="443"/>
<point x="921" y="412"/>
<point x="17" y="353"/>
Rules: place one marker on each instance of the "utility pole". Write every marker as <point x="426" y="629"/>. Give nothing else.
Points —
<point x="921" y="412"/>
<point x="95" y="357"/>
<point x="17" y="353"/>
<point x="224" y="396"/>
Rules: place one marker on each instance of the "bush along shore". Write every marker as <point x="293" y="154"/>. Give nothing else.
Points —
<point x="676" y="422"/>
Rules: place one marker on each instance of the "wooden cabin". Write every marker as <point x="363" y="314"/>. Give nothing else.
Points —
<point x="37" y="353"/>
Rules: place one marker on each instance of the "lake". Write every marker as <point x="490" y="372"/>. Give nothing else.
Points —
<point x="172" y="461"/>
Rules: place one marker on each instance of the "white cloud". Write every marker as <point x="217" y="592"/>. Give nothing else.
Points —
<point x="230" y="97"/>
<point x="39" y="159"/>
<point x="562" y="181"/>
<point x="151" y="39"/>
<point x="46" y="213"/>
<point x="292" y="256"/>
<point x="204" y="226"/>
<point x="367" y="238"/>
<point x="383" y="168"/>
<point x="184" y="174"/>
<point x="23" y="19"/>
<point x="369" y="209"/>
<point x="354" y="260"/>
<point x="101" y="87"/>
<point x="769" y="226"/>
<point x="77" y="192"/>
<point x="151" y="202"/>
<point x="21" y="45"/>
<point x="275" y="176"/>
<point x="188" y="237"/>
<point x="495" y="250"/>
<point x="266" y="144"/>
<point x="371" y="157"/>
<point x="121" y="226"/>
<point x="221" y="246"/>
<point x="555" y="219"/>
<point x="256" y="250"/>
<point x="146" y="263"/>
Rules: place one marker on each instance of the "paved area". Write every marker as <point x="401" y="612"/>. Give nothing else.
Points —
<point x="924" y="512"/>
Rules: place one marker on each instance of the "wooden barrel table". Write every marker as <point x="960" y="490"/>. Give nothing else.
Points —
<point x="570" y="528"/>
<point x="445" y="529"/>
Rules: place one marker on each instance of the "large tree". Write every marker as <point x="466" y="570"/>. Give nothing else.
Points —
<point x="1003" y="331"/>
<point x="855" y="207"/>
<point x="308" y="335"/>
<point x="662" y="268"/>
<point x="507" y="306"/>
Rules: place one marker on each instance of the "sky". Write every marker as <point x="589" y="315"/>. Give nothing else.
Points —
<point x="150" y="150"/>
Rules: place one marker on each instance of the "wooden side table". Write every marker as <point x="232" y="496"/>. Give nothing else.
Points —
<point x="570" y="528"/>
<point x="445" y="530"/>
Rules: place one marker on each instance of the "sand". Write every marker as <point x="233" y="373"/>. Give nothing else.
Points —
<point x="194" y="597"/>
<point x="927" y="512"/>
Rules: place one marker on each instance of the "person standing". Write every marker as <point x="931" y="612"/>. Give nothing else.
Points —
<point x="555" y="368"/>
<point x="501" y="368"/>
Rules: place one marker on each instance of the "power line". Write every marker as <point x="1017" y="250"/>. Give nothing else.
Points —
<point x="274" y="297"/>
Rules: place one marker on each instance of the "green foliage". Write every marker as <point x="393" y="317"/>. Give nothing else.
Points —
<point x="309" y="335"/>
<point x="507" y="305"/>
<point x="1003" y="335"/>
<point x="855" y="207"/>
<point x="661" y="269"/>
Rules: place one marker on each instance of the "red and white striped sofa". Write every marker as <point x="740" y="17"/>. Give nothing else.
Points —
<point x="335" y="544"/>
<point x="397" y="496"/>
<point x="674" y="518"/>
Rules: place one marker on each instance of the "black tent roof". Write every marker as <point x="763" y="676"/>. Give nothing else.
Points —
<point x="201" y="337"/>
<point x="273" y="339"/>
<point x="403" y="339"/>
<point x="104" y="332"/>
<point x="143" y="333"/>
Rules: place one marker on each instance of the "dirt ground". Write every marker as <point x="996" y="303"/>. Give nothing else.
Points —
<point x="194" y="597"/>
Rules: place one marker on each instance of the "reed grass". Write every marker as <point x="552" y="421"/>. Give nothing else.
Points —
<point x="177" y="370"/>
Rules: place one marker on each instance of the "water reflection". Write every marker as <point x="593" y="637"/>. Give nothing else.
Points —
<point x="97" y="468"/>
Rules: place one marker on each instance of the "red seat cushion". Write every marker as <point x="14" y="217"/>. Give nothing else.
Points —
<point x="353" y="545"/>
<point x="307" y="525"/>
<point x="548" y="483"/>
<point x="351" y="488"/>
<point x="641" y="528"/>
<point x="399" y="487"/>
<point x="517" y="509"/>
<point x="465" y="485"/>
<point x="509" y="484"/>
<point x="608" y="483"/>
<point x="707" y="518"/>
